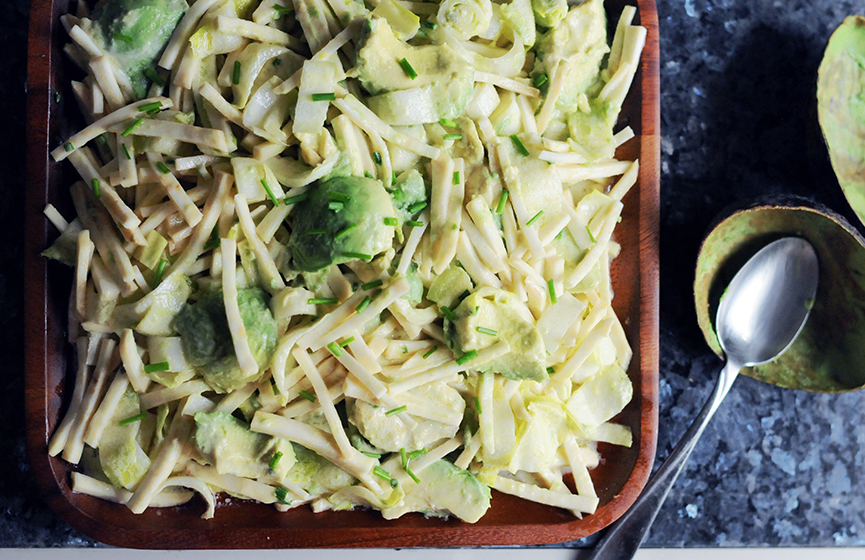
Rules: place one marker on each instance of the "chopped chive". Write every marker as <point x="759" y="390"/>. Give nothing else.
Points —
<point x="592" y="237"/>
<point x="363" y="304"/>
<point x="322" y="301"/>
<point x="282" y="9"/>
<point x="446" y="311"/>
<point x="323" y="96"/>
<point x="296" y="198"/>
<point x="468" y="356"/>
<point x="391" y="222"/>
<point x="456" y="178"/>
<point x="57" y="97"/>
<point x="371" y="285"/>
<point x="396" y="410"/>
<point x="428" y="24"/>
<point x="281" y="494"/>
<point x="407" y="67"/>
<point x="540" y="80"/>
<point x="417" y="453"/>
<point x="156" y="368"/>
<point x="376" y="157"/>
<point x="338" y="196"/>
<point x="381" y="473"/>
<point x="162" y="167"/>
<point x="358" y="256"/>
<point x="478" y="405"/>
<point x="453" y="136"/>
<point x="334" y="349"/>
<point x="269" y="192"/>
<point x="535" y="218"/>
<point x="307" y="395"/>
<point x="335" y="206"/>
<point x="430" y="352"/>
<point x="147" y="107"/>
<point x="371" y="454"/>
<point x="550" y="370"/>
<point x="213" y="242"/>
<point x="346" y="231"/>
<point x="518" y="144"/>
<point x="160" y="270"/>
<point x="235" y="76"/>
<point x="414" y="223"/>
<point x="124" y="38"/>
<point x="447" y="122"/>
<point x="500" y="207"/>
<point x="154" y="77"/>
<point x="551" y="286"/>
<point x="403" y="456"/>
<point x="68" y="147"/>
<point x="346" y="342"/>
<point x="132" y="419"/>
<point x="417" y="207"/>
<point x="131" y="127"/>
<point x="368" y="175"/>
<point x="94" y="183"/>
<point x="274" y="460"/>
<point x="316" y="231"/>
<point x="484" y="330"/>
<point x="412" y="475"/>
<point x="126" y="152"/>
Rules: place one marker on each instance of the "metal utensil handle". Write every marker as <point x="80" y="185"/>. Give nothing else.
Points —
<point x="625" y="536"/>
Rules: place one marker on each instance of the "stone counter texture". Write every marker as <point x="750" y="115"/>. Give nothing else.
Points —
<point x="775" y="467"/>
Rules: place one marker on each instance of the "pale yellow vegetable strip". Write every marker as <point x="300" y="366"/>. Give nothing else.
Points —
<point x="90" y="132"/>
<point x="344" y="131"/>
<point x="256" y="32"/>
<point x="449" y="369"/>
<point x="363" y="354"/>
<point x="325" y="402"/>
<point x="205" y="137"/>
<point x="527" y="114"/>
<point x="594" y="254"/>
<point x="510" y="84"/>
<point x="330" y="321"/>
<point x="311" y="16"/>
<point x="376" y="387"/>
<point x="82" y="268"/>
<point x="100" y="67"/>
<point x="245" y="359"/>
<point x="584" y="350"/>
<point x="219" y="103"/>
<point x="623" y="136"/>
<point x="598" y="170"/>
<point x="245" y="487"/>
<point x="483" y="221"/>
<point x="471" y="262"/>
<point x="75" y="443"/>
<point x="561" y="157"/>
<point x="626" y="181"/>
<point x="582" y="480"/>
<point x="493" y="259"/>
<point x="302" y="407"/>
<point x="162" y="466"/>
<point x="180" y="37"/>
<point x="83" y="40"/>
<point x="557" y="84"/>
<point x="624" y="353"/>
<point x="55" y="217"/>
<point x="266" y="265"/>
<point x="469" y="452"/>
<point x="625" y="20"/>
<point x="635" y="40"/>
<point x="390" y="294"/>
<point x="83" y="484"/>
<point x="358" y="465"/>
<point x="364" y="118"/>
<point x="234" y="399"/>
<point x="196" y="484"/>
<point x="551" y="229"/>
<point x="512" y="179"/>
<point x="411" y="244"/>
<point x="165" y="395"/>
<point x="132" y="362"/>
<point x="127" y="175"/>
<point x="175" y="192"/>
<point x="427" y="459"/>
<point x="106" y="410"/>
<point x="486" y="417"/>
<point x="534" y="493"/>
<point x="61" y="434"/>
<point x="282" y="355"/>
<point x="193" y="162"/>
<point x="444" y="240"/>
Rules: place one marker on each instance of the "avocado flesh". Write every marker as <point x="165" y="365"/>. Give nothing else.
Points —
<point x="122" y="459"/>
<point x="444" y="489"/>
<point x="496" y="310"/>
<point x="207" y="340"/>
<point x="316" y="474"/>
<point x="134" y="32"/>
<point x="228" y="444"/>
<point x="841" y="108"/>
<point x="322" y="236"/>
<point x="442" y="88"/>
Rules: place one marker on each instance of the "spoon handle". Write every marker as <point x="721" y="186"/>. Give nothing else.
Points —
<point x="625" y="536"/>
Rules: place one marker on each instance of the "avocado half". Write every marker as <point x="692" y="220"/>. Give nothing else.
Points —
<point x="829" y="354"/>
<point x="841" y="108"/>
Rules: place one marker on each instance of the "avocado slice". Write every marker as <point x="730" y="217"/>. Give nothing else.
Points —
<point x="122" y="459"/>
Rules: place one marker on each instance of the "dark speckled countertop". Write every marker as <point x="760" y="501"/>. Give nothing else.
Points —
<point x="775" y="467"/>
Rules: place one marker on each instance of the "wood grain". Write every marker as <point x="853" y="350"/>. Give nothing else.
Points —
<point x="510" y="521"/>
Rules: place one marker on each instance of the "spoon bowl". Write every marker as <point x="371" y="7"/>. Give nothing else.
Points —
<point x="762" y="311"/>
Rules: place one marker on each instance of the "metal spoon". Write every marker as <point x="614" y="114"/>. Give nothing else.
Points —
<point x="760" y="315"/>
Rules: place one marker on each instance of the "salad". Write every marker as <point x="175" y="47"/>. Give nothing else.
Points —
<point x="345" y="253"/>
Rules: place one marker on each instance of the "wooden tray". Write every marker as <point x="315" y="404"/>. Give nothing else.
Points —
<point x="511" y="521"/>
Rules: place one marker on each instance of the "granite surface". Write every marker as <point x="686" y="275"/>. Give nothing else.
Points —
<point x="775" y="467"/>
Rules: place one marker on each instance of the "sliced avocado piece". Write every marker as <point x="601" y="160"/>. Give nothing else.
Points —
<point x="207" y="339"/>
<point x="442" y="88"/>
<point x="121" y="458"/>
<point x="601" y="397"/>
<point x="316" y="474"/>
<point x="443" y="490"/>
<point x="447" y="288"/>
<point x="488" y="316"/>
<point x="229" y="445"/>
<point x="343" y="220"/>
<point x="65" y="248"/>
<point x="134" y="32"/>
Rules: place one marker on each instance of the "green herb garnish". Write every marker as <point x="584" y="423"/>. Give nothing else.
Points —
<point x="430" y="352"/>
<point x="323" y="96"/>
<point x="371" y="285"/>
<point x="334" y="349"/>
<point x="160" y="270"/>
<point x="376" y="157"/>
<point x="162" y="167"/>
<point x="391" y="222"/>
<point x="154" y="77"/>
<point x="94" y="183"/>
<point x="269" y="192"/>
<point x="396" y="410"/>
<point x="470" y="355"/>
<point x="131" y="419"/>
<point x="484" y="330"/>
<point x="358" y="256"/>
<point x="296" y="198"/>
<point x="281" y="494"/>
<point x="535" y="218"/>
<point x="407" y="67"/>
<point x="414" y="223"/>
<point x="551" y="286"/>
<point x="500" y="207"/>
<point x="518" y="144"/>
<point x="447" y="122"/>
<point x="417" y="207"/>
<point x="156" y="368"/>
<point x="131" y="127"/>
<point x="363" y="304"/>
<point x="446" y="311"/>
<point x="322" y="301"/>
<point x="540" y="80"/>
<point x="235" y="75"/>
<point x="478" y="405"/>
<point x="274" y="460"/>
